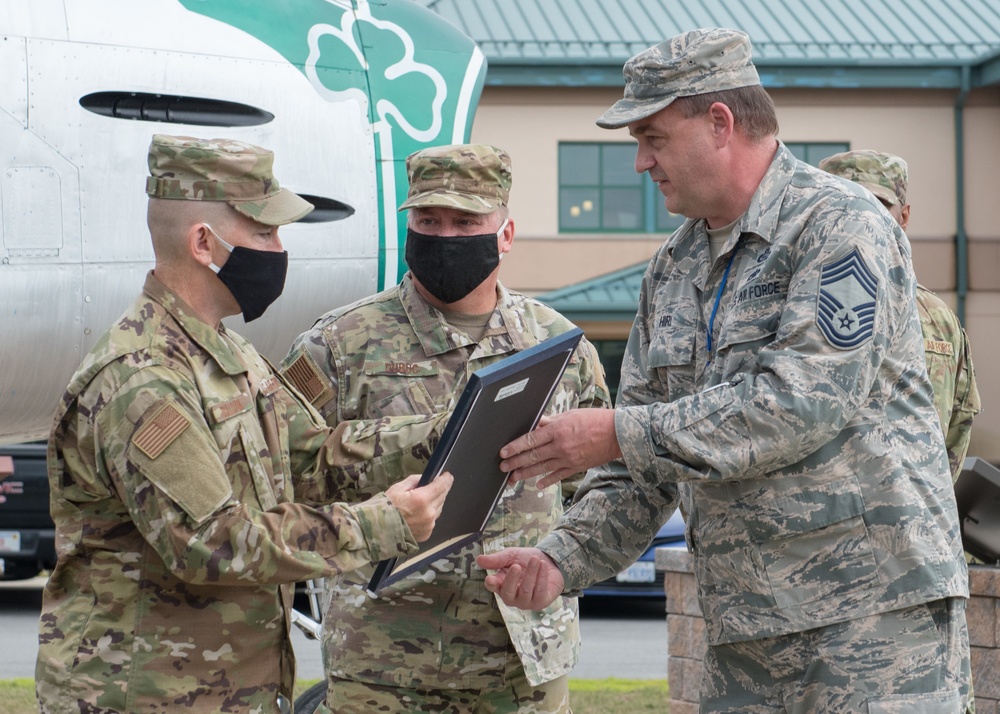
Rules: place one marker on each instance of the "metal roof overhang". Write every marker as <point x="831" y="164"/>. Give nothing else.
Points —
<point x="612" y="297"/>
<point x="987" y="70"/>
<point x="791" y="74"/>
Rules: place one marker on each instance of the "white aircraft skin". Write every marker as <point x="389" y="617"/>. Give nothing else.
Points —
<point x="74" y="247"/>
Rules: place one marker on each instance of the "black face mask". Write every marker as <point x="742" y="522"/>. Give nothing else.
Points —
<point x="255" y="278"/>
<point x="451" y="267"/>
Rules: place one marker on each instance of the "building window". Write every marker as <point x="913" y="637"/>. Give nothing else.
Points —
<point x="600" y="192"/>
<point x="814" y="152"/>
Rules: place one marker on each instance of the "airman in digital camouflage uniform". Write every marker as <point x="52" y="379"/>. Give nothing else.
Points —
<point x="946" y="346"/>
<point x="440" y="641"/>
<point x="773" y="383"/>
<point x="176" y="455"/>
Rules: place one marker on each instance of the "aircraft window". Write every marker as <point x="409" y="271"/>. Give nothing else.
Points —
<point x="327" y="209"/>
<point x="173" y="109"/>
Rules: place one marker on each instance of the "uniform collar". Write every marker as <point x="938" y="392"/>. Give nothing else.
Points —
<point x="207" y="337"/>
<point x="760" y="218"/>
<point x="436" y="336"/>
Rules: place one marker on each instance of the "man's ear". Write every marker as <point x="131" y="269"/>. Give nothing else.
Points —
<point x="723" y="123"/>
<point x="904" y="216"/>
<point x="199" y="242"/>
<point x="507" y="237"/>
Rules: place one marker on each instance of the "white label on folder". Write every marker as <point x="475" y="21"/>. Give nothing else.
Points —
<point x="511" y="389"/>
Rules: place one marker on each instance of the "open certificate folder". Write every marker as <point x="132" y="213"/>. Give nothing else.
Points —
<point x="500" y="403"/>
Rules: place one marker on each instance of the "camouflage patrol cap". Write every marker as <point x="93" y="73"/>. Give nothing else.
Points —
<point x="882" y="174"/>
<point x="182" y="167"/>
<point x="697" y="62"/>
<point x="470" y="177"/>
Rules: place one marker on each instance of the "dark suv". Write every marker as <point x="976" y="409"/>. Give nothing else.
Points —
<point x="27" y="535"/>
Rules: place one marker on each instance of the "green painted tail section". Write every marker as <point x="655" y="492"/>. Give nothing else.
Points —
<point x="416" y="76"/>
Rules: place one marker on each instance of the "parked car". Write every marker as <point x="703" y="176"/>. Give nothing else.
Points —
<point x="641" y="579"/>
<point x="27" y="535"/>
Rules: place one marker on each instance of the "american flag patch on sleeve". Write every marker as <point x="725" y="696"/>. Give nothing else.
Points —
<point x="160" y="430"/>
<point x="306" y="378"/>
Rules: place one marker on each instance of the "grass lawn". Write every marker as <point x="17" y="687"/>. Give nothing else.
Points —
<point x="589" y="696"/>
<point x="17" y="696"/>
<point x="618" y="696"/>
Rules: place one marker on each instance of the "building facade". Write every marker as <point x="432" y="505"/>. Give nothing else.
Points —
<point x="844" y="74"/>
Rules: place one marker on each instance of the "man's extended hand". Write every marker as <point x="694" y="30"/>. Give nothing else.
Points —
<point x="563" y="445"/>
<point x="525" y="577"/>
<point x="420" y="507"/>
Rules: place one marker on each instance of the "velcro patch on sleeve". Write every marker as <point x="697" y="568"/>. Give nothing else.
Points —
<point x="191" y="474"/>
<point x="848" y="292"/>
<point x="306" y="377"/>
<point x="160" y="430"/>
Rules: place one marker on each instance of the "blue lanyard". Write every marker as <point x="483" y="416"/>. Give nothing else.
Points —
<point x="715" y="307"/>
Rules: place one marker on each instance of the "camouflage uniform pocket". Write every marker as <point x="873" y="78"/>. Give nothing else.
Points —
<point x="814" y="544"/>
<point x="831" y="562"/>
<point x="396" y="389"/>
<point x="262" y="482"/>
<point x="671" y="354"/>
<point x="406" y="398"/>
<point x="934" y="703"/>
<point x="742" y="338"/>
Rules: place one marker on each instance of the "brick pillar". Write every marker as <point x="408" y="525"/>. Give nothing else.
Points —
<point x="983" y="615"/>
<point x="686" y="633"/>
<point x="685" y="630"/>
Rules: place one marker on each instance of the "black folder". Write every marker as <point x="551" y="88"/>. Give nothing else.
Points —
<point x="500" y="403"/>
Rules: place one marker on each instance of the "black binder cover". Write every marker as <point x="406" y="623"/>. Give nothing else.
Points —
<point x="500" y="403"/>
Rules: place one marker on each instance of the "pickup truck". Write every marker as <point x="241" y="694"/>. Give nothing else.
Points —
<point x="27" y="535"/>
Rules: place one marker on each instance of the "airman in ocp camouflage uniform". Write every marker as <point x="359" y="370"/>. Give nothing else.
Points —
<point x="946" y="346"/>
<point x="439" y="641"/>
<point x="174" y="460"/>
<point x="774" y="384"/>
